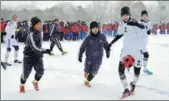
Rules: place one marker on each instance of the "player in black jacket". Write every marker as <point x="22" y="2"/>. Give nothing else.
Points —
<point x="33" y="55"/>
<point x="54" y="34"/>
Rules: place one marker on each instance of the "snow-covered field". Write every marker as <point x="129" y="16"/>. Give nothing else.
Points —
<point x="63" y="78"/>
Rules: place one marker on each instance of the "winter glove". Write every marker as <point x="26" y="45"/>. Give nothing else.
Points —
<point x="80" y="58"/>
<point x="12" y="36"/>
<point x="108" y="53"/>
<point x="148" y="32"/>
<point x="46" y="51"/>
<point x="109" y="46"/>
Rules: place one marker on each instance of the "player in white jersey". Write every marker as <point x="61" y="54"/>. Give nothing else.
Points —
<point x="144" y="39"/>
<point x="129" y="29"/>
<point x="11" y="41"/>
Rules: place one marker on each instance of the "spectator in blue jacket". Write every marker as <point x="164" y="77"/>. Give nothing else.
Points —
<point x="93" y="45"/>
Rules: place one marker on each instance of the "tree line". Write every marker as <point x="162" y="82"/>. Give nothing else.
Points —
<point x="101" y="11"/>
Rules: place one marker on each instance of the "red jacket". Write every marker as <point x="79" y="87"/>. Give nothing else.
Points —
<point x="67" y="30"/>
<point x="115" y="27"/>
<point x="155" y="27"/>
<point x="3" y="27"/>
<point x="84" y="28"/>
<point x="61" y="28"/>
<point x="109" y="27"/>
<point x="162" y="27"/>
<point x="79" y="26"/>
<point x="74" y="29"/>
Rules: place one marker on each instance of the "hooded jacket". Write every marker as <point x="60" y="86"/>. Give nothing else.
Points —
<point x="93" y="45"/>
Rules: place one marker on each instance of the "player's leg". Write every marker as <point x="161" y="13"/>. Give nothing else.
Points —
<point x="27" y="68"/>
<point x="58" y="44"/>
<point x="145" y="61"/>
<point x="16" y="54"/>
<point x="137" y="67"/>
<point x="8" y="50"/>
<point x="87" y="72"/>
<point x="52" y="44"/>
<point x="87" y="68"/>
<point x="95" y="66"/>
<point x="39" y="68"/>
<point x="123" y="79"/>
<point x="16" y="47"/>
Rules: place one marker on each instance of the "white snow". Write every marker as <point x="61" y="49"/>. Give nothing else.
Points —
<point x="63" y="78"/>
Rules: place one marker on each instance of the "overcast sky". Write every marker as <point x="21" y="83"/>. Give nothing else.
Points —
<point x="45" y="4"/>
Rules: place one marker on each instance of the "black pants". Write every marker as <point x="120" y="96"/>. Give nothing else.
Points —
<point x="29" y="63"/>
<point x="75" y="36"/>
<point x="55" y="40"/>
<point x="61" y="36"/>
<point x="46" y="36"/>
<point x="2" y="36"/>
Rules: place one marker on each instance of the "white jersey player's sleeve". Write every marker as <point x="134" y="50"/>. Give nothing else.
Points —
<point x="120" y="30"/>
<point x="9" y="29"/>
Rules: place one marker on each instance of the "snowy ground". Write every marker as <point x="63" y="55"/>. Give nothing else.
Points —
<point x="63" y="78"/>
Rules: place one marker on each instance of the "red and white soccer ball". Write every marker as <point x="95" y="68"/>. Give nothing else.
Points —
<point x="128" y="61"/>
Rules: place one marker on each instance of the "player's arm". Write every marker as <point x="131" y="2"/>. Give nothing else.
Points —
<point x="105" y="45"/>
<point x="8" y="29"/>
<point x="105" y="42"/>
<point x="116" y="39"/>
<point x="120" y="34"/>
<point x="83" y="46"/>
<point x="134" y="22"/>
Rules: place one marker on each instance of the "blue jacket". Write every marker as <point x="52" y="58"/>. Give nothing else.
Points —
<point x="93" y="45"/>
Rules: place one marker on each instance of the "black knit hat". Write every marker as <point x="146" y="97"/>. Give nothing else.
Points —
<point x="93" y="24"/>
<point x="125" y="10"/>
<point x="144" y="12"/>
<point x="34" y="21"/>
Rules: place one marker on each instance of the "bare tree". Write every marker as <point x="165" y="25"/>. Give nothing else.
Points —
<point x="102" y="11"/>
<point x="136" y="9"/>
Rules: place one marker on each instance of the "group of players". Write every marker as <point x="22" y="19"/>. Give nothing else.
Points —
<point x="135" y="41"/>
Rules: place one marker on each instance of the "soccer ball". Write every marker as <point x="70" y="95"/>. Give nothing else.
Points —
<point x="128" y="61"/>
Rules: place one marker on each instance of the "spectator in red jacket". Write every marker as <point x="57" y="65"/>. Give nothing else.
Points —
<point x="2" y="30"/>
<point x="155" y="28"/>
<point x="162" y="28"/>
<point x="75" y="31"/>
<point x="104" y="29"/>
<point x="109" y="29"/>
<point x="84" y="30"/>
<point x="67" y="32"/>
